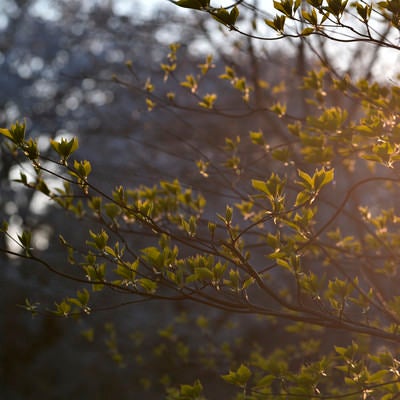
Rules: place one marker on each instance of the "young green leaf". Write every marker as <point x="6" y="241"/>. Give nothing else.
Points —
<point x="240" y="377"/>
<point x="193" y="4"/>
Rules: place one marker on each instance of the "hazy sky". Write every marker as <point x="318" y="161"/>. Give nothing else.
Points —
<point x="121" y="7"/>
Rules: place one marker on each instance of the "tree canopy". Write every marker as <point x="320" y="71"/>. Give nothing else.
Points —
<point x="292" y="216"/>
